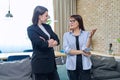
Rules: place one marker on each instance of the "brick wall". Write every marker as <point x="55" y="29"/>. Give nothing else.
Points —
<point x="105" y="16"/>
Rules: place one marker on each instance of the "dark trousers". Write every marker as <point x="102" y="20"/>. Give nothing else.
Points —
<point x="79" y="74"/>
<point x="48" y="76"/>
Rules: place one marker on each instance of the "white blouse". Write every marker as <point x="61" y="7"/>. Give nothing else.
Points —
<point x="44" y="30"/>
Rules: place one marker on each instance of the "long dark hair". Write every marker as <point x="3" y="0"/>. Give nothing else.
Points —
<point x="80" y="21"/>
<point x="39" y="10"/>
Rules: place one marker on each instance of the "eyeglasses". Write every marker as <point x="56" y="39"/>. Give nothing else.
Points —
<point x="72" y="21"/>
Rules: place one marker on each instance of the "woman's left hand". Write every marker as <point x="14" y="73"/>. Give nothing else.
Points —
<point x="52" y="43"/>
<point x="87" y="54"/>
<point x="55" y="43"/>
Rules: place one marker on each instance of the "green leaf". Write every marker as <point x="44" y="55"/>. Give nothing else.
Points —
<point x="118" y="39"/>
<point x="48" y="21"/>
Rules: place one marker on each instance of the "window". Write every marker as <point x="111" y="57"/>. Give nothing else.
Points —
<point x="13" y="31"/>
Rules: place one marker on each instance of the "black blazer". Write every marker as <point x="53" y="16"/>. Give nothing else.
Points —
<point x="43" y="58"/>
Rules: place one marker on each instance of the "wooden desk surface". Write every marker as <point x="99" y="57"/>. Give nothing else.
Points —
<point x="6" y="55"/>
<point x="59" y="54"/>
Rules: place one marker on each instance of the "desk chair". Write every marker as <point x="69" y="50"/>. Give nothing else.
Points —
<point x="0" y="51"/>
<point x="28" y="50"/>
<point x="17" y="57"/>
<point x="1" y="59"/>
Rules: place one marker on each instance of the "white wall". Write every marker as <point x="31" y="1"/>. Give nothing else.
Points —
<point x="13" y="31"/>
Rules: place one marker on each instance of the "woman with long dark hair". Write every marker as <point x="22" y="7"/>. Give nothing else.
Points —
<point x="43" y="40"/>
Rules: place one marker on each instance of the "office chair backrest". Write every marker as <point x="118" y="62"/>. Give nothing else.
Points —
<point x="17" y="57"/>
<point x="28" y="50"/>
<point x="0" y="51"/>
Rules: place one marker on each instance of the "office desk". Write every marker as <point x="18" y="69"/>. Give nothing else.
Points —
<point x="4" y="56"/>
<point x="59" y="54"/>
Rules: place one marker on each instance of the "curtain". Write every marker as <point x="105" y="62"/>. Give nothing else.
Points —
<point x="62" y="11"/>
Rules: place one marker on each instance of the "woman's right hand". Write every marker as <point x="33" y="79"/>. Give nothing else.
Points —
<point x="92" y="33"/>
